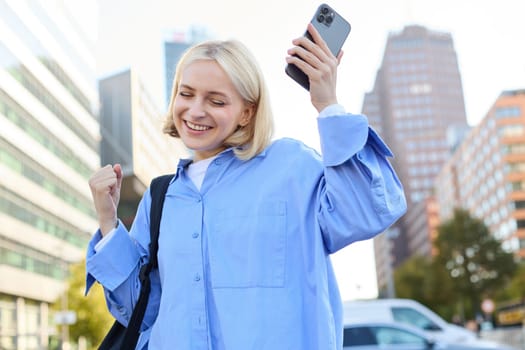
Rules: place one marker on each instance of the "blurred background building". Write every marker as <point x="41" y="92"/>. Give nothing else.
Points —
<point x="51" y="141"/>
<point x="49" y="146"/>
<point x="486" y="174"/>
<point x="416" y="99"/>
<point x="131" y="127"/>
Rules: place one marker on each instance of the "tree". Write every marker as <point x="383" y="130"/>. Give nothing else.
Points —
<point x="515" y="290"/>
<point x="419" y="278"/>
<point x="93" y="318"/>
<point x="473" y="260"/>
<point x="411" y="279"/>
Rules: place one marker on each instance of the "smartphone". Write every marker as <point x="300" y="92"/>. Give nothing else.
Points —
<point x="333" y="28"/>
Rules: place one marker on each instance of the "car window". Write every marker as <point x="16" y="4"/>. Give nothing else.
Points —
<point x="358" y="336"/>
<point x="414" y="317"/>
<point x="395" y="336"/>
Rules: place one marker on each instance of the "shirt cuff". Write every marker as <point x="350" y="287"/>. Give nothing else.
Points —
<point x="105" y="239"/>
<point x="332" y="110"/>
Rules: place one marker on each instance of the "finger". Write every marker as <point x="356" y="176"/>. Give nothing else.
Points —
<point x="117" y="168"/>
<point x="318" y="39"/>
<point x="301" y="63"/>
<point x="307" y="50"/>
<point x="99" y="176"/>
<point x="304" y="55"/>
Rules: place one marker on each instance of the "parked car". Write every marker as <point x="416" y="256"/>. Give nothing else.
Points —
<point x="391" y="336"/>
<point x="409" y="312"/>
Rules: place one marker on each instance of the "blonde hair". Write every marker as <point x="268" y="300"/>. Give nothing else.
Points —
<point x="240" y="66"/>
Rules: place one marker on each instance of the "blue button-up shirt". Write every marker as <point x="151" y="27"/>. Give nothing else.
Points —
<point x="244" y="262"/>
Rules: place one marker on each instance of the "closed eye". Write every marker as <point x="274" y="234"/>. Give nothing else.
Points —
<point x="217" y="102"/>
<point x="185" y="94"/>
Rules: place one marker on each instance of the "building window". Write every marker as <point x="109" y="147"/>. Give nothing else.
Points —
<point x="24" y="211"/>
<point x="507" y="112"/>
<point x="22" y="119"/>
<point x="519" y="204"/>
<point x="518" y="185"/>
<point x="520" y="223"/>
<point x="517" y="148"/>
<point x="511" y="130"/>
<point x="23" y="165"/>
<point x="19" y="72"/>
<point x="27" y="259"/>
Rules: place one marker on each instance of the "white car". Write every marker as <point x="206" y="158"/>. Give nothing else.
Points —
<point x="390" y="336"/>
<point x="409" y="312"/>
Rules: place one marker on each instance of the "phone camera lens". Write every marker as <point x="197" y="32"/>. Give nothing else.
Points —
<point x="329" y="19"/>
<point x="320" y="18"/>
<point x="324" y="10"/>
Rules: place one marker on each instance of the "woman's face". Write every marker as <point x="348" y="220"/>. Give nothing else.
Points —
<point x="207" y="108"/>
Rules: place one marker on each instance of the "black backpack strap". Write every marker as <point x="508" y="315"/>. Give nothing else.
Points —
<point x="158" y="188"/>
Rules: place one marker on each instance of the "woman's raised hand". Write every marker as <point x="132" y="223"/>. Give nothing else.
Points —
<point x="105" y="187"/>
<point x="317" y="61"/>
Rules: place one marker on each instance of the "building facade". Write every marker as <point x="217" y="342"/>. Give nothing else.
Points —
<point x="49" y="146"/>
<point x="416" y="100"/>
<point x="131" y="127"/>
<point x="486" y="174"/>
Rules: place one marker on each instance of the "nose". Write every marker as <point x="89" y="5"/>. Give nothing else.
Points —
<point x="196" y="109"/>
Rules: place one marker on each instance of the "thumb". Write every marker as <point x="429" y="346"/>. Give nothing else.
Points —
<point x="117" y="168"/>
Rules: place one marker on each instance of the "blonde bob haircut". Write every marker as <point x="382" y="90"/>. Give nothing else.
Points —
<point x="240" y="66"/>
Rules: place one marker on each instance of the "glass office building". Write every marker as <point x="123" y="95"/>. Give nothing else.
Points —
<point x="49" y="146"/>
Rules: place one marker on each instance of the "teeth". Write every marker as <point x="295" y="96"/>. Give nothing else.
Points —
<point x="197" y="127"/>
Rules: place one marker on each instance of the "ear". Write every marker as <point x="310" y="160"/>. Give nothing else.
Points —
<point x="247" y="114"/>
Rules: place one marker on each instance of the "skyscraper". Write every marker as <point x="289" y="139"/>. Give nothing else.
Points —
<point x="49" y="142"/>
<point x="416" y="100"/>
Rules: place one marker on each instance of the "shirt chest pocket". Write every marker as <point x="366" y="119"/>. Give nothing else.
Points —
<point x="247" y="247"/>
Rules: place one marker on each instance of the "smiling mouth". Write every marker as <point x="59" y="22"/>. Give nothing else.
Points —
<point x="197" y="127"/>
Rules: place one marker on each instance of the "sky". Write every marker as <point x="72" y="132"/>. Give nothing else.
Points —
<point x="489" y="39"/>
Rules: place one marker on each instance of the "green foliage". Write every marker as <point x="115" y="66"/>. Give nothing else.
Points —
<point x="472" y="259"/>
<point x="413" y="272"/>
<point x="419" y="278"/>
<point x="470" y="265"/>
<point x="93" y="318"/>
<point x="515" y="290"/>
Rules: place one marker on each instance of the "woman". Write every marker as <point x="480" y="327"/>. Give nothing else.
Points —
<point x="248" y="224"/>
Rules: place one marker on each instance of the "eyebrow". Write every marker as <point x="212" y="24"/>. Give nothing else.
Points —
<point x="184" y="86"/>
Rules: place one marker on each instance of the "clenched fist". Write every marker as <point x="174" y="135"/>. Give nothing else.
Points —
<point x="105" y="187"/>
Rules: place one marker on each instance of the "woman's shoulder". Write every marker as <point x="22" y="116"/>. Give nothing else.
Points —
<point x="284" y="143"/>
<point x="291" y="148"/>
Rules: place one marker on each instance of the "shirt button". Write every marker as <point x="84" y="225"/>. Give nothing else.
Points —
<point x="217" y="161"/>
<point x="197" y="277"/>
<point x="195" y="234"/>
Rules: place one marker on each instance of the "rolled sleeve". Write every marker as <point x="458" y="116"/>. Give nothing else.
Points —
<point x="332" y="110"/>
<point x="115" y="261"/>
<point x="342" y="136"/>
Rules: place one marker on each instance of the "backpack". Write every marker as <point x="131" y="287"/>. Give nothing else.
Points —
<point x="125" y="338"/>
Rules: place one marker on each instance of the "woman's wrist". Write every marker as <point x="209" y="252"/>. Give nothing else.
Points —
<point x="108" y="226"/>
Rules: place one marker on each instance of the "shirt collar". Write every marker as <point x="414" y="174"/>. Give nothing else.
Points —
<point x="184" y="162"/>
